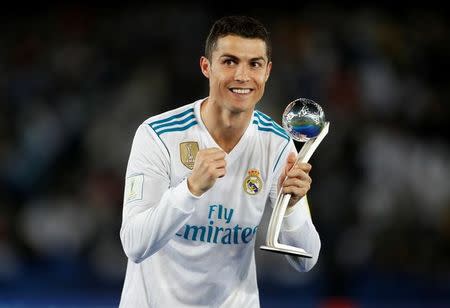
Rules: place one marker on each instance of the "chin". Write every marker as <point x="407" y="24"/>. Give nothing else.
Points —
<point x="236" y="107"/>
<point x="243" y="104"/>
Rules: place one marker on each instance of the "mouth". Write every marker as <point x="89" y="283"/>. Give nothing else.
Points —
<point x="241" y="91"/>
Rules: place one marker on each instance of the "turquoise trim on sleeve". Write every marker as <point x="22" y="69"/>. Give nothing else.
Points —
<point x="177" y="129"/>
<point x="269" y="126"/>
<point x="268" y="129"/>
<point x="271" y="122"/>
<point x="162" y="125"/>
<point x="170" y="124"/>
<point x="176" y="116"/>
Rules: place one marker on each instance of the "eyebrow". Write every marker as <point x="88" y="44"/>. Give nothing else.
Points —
<point x="236" y="58"/>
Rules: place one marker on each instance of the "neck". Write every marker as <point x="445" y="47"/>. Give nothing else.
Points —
<point x="225" y="127"/>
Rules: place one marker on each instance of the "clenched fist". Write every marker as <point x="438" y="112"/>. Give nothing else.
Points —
<point x="208" y="167"/>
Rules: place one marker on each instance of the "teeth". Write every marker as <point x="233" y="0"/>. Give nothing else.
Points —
<point x="241" y="91"/>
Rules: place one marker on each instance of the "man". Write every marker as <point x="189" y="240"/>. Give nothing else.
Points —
<point x="198" y="179"/>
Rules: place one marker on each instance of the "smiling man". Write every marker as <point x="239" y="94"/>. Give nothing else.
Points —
<point x="199" y="177"/>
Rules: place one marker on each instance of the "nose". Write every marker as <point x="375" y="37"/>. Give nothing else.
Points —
<point x="241" y="73"/>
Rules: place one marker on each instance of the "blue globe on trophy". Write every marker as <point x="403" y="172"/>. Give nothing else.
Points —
<point x="303" y="119"/>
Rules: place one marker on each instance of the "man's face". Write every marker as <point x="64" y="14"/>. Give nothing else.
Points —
<point x="237" y="72"/>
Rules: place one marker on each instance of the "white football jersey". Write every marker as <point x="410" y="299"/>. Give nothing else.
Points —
<point x="188" y="251"/>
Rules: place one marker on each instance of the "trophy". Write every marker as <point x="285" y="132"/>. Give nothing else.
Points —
<point x="304" y="120"/>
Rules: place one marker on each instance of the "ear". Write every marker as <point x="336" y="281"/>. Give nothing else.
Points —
<point x="204" y="66"/>
<point x="269" y="69"/>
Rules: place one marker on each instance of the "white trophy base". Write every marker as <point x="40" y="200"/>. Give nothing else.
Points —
<point x="287" y="250"/>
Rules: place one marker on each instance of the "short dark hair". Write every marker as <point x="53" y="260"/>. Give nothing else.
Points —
<point x="243" y="26"/>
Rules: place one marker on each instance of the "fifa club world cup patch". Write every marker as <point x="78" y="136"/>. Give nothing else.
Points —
<point x="134" y="187"/>
<point x="188" y="152"/>
<point x="253" y="183"/>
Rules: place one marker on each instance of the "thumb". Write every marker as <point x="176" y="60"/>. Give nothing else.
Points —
<point x="290" y="162"/>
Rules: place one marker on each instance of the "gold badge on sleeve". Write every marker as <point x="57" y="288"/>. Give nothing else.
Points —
<point x="253" y="182"/>
<point x="188" y="152"/>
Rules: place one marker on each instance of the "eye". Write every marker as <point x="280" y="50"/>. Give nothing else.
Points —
<point x="256" y="64"/>
<point x="229" y="62"/>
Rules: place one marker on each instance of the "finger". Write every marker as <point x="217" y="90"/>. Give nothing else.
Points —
<point x="218" y="164"/>
<point x="216" y="155"/>
<point x="302" y="177"/>
<point x="216" y="168"/>
<point x="220" y="173"/>
<point x="208" y="158"/>
<point x="299" y="174"/>
<point x="295" y="191"/>
<point x="297" y="183"/>
<point x="211" y="151"/>
<point x="292" y="157"/>
<point x="304" y="166"/>
<point x="298" y="170"/>
<point x="290" y="161"/>
<point x="292" y="182"/>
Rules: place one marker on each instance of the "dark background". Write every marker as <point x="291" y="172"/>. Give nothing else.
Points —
<point x="77" y="80"/>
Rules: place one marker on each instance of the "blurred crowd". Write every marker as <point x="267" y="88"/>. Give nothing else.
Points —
<point x="76" y="82"/>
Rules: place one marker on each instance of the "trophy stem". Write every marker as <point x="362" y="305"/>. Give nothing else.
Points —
<point x="282" y="202"/>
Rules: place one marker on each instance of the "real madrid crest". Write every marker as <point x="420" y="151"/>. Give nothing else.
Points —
<point x="253" y="183"/>
<point x="188" y="151"/>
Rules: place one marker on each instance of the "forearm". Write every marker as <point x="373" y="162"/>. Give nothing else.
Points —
<point x="144" y="232"/>
<point x="298" y="230"/>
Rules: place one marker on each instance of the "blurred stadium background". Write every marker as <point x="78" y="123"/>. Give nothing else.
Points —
<point x="77" y="80"/>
